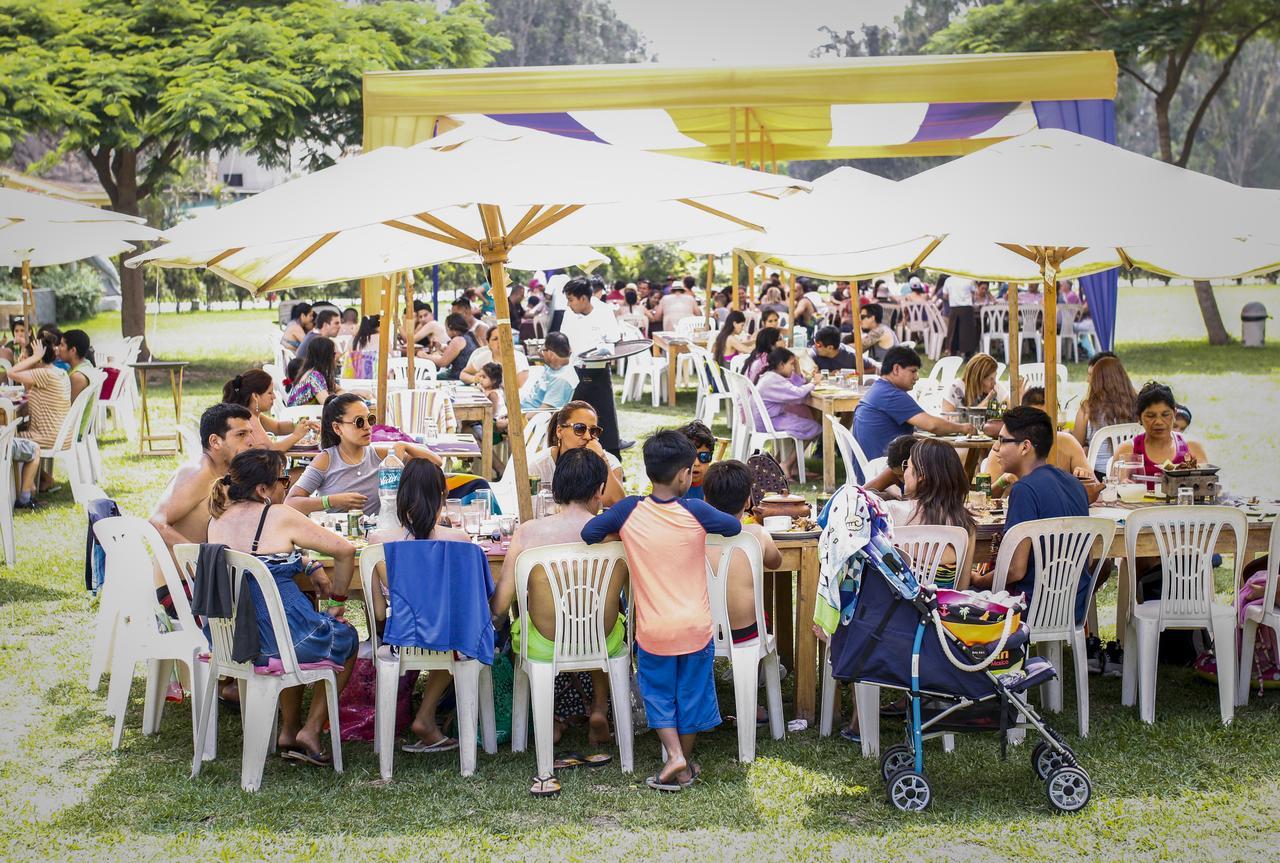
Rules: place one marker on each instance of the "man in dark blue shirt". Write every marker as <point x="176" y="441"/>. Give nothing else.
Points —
<point x="888" y="410"/>
<point x="1042" y="491"/>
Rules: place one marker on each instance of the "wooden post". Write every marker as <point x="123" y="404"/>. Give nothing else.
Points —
<point x="409" y="348"/>
<point x="746" y="135"/>
<point x="791" y="299"/>
<point x="858" y="365"/>
<point x="384" y="345"/>
<point x="1015" y="386"/>
<point x="1049" y="264"/>
<point x="751" y="282"/>
<point x="711" y="263"/>
<point x="28" y="301"/>
<point x="733" y="139"/>
<point x="494" y="252"/>
<point x="733" y="259"/>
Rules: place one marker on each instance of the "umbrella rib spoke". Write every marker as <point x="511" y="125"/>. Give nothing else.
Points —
<point x="293" y="265"/>
<point x="423" y="232"/>
<point x="698" y="205"/>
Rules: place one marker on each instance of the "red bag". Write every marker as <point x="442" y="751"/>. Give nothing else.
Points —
<point x="109" y="385"/>
<point x="355" y="704"/>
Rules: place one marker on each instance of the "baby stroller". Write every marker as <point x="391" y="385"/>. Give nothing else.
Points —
<point x="903" y="636"/>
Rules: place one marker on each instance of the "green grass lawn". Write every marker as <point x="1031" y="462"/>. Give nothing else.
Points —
<point x="1186" y="788"/>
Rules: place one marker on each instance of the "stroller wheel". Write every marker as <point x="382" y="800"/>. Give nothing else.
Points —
<point x="909" y="791"/>
<point x="1069" y="789"/>
<point x="896" y="758"/>
<point x="1045" y="759"/>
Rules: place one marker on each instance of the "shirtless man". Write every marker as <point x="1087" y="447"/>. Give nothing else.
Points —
<point x="182" y="514"/>
<point x="426" y="329"/>
<point x="578" y="487"/>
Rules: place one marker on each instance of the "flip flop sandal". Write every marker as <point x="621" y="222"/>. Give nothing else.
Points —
<point x="548" y="786"/>
<point x="570" y="760"/>
<point x="695" y="771"/>
<point x="302" y="755"/>
<point x="670" y="786"/>
<point x="448" y="744"/>
<point x="851" y="736"/>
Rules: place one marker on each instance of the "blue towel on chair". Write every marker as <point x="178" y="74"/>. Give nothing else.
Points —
<point x="439" y="597"/>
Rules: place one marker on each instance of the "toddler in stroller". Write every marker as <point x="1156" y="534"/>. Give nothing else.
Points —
<point x="956" y="654"/>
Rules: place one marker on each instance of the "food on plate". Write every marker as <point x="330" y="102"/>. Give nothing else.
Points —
<point x="1188" y="463"/>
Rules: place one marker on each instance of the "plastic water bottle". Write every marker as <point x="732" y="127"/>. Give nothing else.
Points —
<point x="799" y="337"/>
<point x="388" y="485"/>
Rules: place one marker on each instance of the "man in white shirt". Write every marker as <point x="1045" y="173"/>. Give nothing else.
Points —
<point x="590" y="323"/>
<point x="962" y="324"/>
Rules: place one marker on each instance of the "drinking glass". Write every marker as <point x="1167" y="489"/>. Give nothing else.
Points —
<point x="1186" y="496"/>
<point x="453" y="511"/>
<point x="483" y="499"/>
<point x="471" y="520"/>
<point x="507" y="526"/>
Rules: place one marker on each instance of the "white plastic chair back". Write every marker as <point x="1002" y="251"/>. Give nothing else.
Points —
<point x="994" y="320"/>
<point x="718" y="587"/>
<point x="7" y="538"/>
<point x="632" y="327"/>
<point x="925" y="546"/>
<point x="342" y="344"/>
<point x="579" y="576"/>
<point x="222" y="630"/>
<point x="414" y="411"/>
<point x="738" y="364"/>
<point x="944" y="371"/>
<point x="70" y="432"/>
<point x="851" y="455"/>
<point x="1115" y="435"/>
<point x="1061" y="549"/>
<point x="753" y="321"/>
<point x="190" y="439"/>
<point x="689" y="325"/>
<point x="535" y="436"/>
<point x="1186" y="537"/>
<point x="8" y="412"/>
<point x="370" y="557"/>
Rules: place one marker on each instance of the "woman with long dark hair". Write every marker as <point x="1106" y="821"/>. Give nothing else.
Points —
<point x="246" y="517"/>
<point x="732" y="340"/>
<point x="766" y="340"/>
<point x="74" y="350"/>
<point x="419" y="502"/>
<point x="301" y="320"/>
<point x="314" y="383"/>
<point x="253" y="389"/>
<point x="936" y="492"/>
<point x="1110" y="400"/>
<point x="48" y="400"/>
<point x="363" y="359"/>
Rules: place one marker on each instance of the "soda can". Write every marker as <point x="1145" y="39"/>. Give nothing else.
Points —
<point x="353" y="522"/>
<point x="982" y="483"/>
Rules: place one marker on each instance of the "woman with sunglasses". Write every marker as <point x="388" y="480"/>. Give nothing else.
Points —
<point x="246" y="518"/>
<point x="576" y="426"/>
<point x="345" y="474"/>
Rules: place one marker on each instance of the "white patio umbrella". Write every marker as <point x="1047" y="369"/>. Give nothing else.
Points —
<point x="40" y="231"/>
<point x="485" y="189"/>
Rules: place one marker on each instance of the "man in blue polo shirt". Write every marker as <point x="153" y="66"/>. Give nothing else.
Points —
<point x="888" y="410"/>
<point x="1042" y="491"/>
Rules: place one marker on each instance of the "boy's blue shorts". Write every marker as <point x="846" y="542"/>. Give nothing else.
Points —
<point x="679" y="691"/>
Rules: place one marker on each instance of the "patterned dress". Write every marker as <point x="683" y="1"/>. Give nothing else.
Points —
<point x="48" y="400"/>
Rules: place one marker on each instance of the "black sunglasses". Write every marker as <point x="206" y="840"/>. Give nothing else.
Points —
<point x="704" y="457"/>
<point x="361" y="422"/>
<point x="582" y="429"/>
<point x="283" y="480"/>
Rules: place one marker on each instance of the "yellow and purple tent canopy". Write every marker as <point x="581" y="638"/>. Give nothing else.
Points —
<point x="856" y="108"/>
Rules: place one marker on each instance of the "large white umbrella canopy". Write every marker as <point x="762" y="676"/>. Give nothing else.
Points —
<point x="41" y="231"/>
<point x="484" y="189"/>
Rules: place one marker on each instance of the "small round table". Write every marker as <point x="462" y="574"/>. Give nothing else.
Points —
<point x="146" y="439"/>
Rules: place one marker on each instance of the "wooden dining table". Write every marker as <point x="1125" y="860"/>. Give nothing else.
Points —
<point x="974" y="447"/>
<point x="831" y="401"/>
<point x="672" y="346"/>
<point x="790" y="594"/>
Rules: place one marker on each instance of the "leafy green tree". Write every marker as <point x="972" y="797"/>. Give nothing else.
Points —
<point x="563" y="33"/>
<point x="135" y="84"/>
<point x="1156" y="44"/>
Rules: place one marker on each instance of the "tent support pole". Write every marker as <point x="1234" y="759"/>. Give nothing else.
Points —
<point x="751" y="282"/>
<point x="733" y="259"/>
<point x="733" y="138"/>
<point x="858" y="364"/>
<point x="494" y="251"/>
<point x="791" y="299"/>
<point x="1015" y="352"/>
<point x="410" y="350"/>
<point x="711" y="265"/>
<point x="28" y="299"/>
<point x="384" y="344"/>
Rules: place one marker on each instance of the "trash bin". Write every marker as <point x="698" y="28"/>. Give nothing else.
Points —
<point x="1253" y="325"/>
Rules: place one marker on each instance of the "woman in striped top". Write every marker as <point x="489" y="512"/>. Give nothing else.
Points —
<point x="48" y="400"/>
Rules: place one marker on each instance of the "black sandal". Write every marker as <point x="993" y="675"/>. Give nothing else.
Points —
<point x="545" y="786"/>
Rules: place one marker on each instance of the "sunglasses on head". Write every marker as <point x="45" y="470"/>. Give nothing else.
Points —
<point x="361" y="422"/>
<point x="582" y="429"/>
<point x="283" y="480"/>
<point x="704" y="457"/>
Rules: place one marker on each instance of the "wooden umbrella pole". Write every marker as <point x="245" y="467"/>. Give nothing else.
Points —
<point x="409" y="348"/>
<point x="711" y="263"/>
<point x="791" y="299"/>
<point x="751" y="282"/>
<point x="384" y="345"/>
<point x="1049" y="264"/>
<point x="494" y="252"/>
<point x="1014" y="352"/>
<point x="733" y="260"/>
<point x="28" y="298"/>
<point x="858" y="365"/>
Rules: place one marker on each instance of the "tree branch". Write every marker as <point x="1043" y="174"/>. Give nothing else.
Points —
<point x="1133" y="73"/>
<point x="101" y="161"/>
<point x="157" y="167"/>
<point x="1193" y="127"/>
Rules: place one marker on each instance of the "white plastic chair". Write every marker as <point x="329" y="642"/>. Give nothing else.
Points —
<point x="713" y="389"/>
<point x="925" y="546"/>
<point x="924" y="321"/>
<point x="122" y="406"/>
<point x="277" y="383"/>
<point x="747" y="656"/>
<point x="642" y="368"/>
<point x="1186" y="537"/>
<point x="73" y="446"/>
<point x="759" y="429"/>
<point x="944" y="371"/>
<point x="1033" y="375"/>
<point x="259" y="693"/>
<point x="993" y="325"/>
<point x="424" y="371"/>
<point x="416" y="412"/>
<point x="535" y="439"/>
<point x="1030" y="329"/>
<point x="1060" y="551"/>
<point x="855" y="461"/>
<point x="7" y="487"/>
<point x="1113" y="435"/>
<point x="1068" y="314"/>
<point x="127" y="631"/>
<point x="1259" y="615"/>
<point x="579" y="576"/>
<point x="472" y="683"/>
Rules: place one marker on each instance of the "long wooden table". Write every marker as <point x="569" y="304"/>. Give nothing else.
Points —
<point x="672" y="346"/>
<point x="831" y="401"/>
<point x="975" y="449"/>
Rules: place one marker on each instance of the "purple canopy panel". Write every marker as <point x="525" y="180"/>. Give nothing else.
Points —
<point x="557" y="123"/>
<point x="958" y="121"/>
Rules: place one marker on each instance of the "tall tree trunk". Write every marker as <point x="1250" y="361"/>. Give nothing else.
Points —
<point x="1211" y="314"/>
<point x="133" y="289"/>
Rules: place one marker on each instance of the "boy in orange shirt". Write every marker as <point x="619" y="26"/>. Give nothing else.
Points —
<point x="665" y="538"/>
